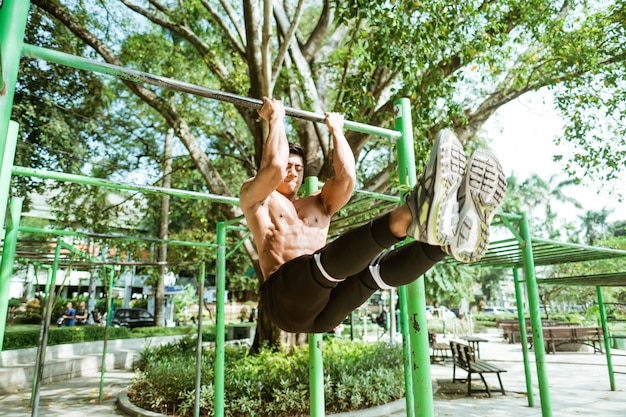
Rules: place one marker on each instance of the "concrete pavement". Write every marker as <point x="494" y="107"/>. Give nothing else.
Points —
<point x="579" y="385"/>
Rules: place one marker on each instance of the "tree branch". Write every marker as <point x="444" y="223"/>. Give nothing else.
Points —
<point x="203" y="49"/>
<point x="287" y="39"/>
<point x="236" y="40"/>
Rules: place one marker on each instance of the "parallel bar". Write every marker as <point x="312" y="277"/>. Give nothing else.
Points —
<point x="28" y="229"/>
<point x="98" y="182"/>
<point x="143" y="77"/>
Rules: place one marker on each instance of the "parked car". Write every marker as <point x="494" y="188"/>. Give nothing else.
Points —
<point x="493" y="310"/>
<point x="132" y="318"/>
<point x="441" y="312"/>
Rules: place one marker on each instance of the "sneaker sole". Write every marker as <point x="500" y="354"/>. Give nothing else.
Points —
<point x="443" y="215"/>
<point x="485" y="188"/>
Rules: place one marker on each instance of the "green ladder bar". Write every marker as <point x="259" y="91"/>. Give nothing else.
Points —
<point x="415" y="321"/>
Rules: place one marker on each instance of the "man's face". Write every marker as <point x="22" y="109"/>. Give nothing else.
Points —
<point x="294" y="176"/>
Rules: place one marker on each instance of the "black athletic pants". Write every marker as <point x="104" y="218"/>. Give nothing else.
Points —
<point x="299" y="299"/>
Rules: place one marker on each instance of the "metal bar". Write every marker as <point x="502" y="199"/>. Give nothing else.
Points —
<point x="164" y="82"/>
<point x="99" y="182"/>
<point x="605" y="334"/>
<point x="220" y="283"/>
<point x="3" y="86"/>
<point x="27" y="229"/>
<point x="416" y="291"/>
<point x="13" y="16"/>
<point x="106" y="334"/>
<point x="43" y="336"/>
<point x="238" y="244"/>
<point x="316" y="364"/>
<point x="406" y="352"/>
<point x="535" y="317"/>
<point x="201" y="276"/>
<point x="8" y="257"/>
<point x="524" y="340"/>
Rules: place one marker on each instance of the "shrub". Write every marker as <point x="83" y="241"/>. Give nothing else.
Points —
<point x="21" y="339"/>
<point x="269" y="383"/>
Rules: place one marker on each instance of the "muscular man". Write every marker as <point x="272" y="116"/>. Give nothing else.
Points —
<point x="310" y="286"/>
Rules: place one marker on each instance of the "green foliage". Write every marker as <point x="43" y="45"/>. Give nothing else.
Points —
<point x="270" y="383"/>
<point x="21" y="339"/>
<point x="450" y="284"/>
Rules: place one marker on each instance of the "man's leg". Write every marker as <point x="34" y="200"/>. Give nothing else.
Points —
<point x="393" y="268"/>
<point x="430" y="214"/>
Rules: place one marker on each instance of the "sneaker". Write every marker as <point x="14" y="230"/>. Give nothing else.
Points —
<point x="480" y="196"/>
<point x="433" y="200"/>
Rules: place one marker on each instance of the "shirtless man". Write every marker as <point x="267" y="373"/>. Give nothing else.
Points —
<point x="311" y="286"/>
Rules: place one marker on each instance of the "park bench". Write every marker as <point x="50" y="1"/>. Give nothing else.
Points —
<point x="559" y="335"/>
<point x="510" y="328"/>
<point x="439" y="350"/>
<point x="464" y="358"/>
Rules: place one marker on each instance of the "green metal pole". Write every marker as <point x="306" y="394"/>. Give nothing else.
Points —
<point x="7" y="162"/>
<point x="6" y="265"/>
<point x="406" y="352"/>
<point x="201" y="276"/>
<point x="316" y="364"/>
<point x="13" y="15"/>
<point x="416" y="319"/>
<point x="220" y="336"/>
<point x="605" y="333"/>
<point x="27" y="229"/>
<point x="43" y="335"/>
<point x="106" y="334"/>
<point x="98" y="182"/>
<point x="535" y="317"/>
<point x="524" y="340"/>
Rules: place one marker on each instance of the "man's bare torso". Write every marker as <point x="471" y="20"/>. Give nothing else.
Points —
<point x="285" y="229"/>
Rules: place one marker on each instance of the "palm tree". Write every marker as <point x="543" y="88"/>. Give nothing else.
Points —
<point x="594" y="225"/>
<point x="538" y="197"/>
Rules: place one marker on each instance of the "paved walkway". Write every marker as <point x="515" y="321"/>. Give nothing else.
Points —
<point x="579" y="385"/>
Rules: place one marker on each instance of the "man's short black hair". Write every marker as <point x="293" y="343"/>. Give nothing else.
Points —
<point x="296" y="149"/>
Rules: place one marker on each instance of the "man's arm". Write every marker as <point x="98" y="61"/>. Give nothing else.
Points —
<point x="337" y="190"/>
<point x="274" y="159"/>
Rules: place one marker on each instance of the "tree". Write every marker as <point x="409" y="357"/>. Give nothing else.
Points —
<point x="457" y="63"/>
<point x="594" y="225"/>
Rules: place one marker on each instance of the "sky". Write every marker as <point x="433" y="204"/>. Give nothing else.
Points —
<point x="522" y="133"/>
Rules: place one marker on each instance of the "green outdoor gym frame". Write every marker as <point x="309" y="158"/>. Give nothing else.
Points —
<point x="13" y="15"/>
<point x="419" y="399"/>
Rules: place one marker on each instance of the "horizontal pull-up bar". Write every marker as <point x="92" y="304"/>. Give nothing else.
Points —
<point x="138" y="76"/>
